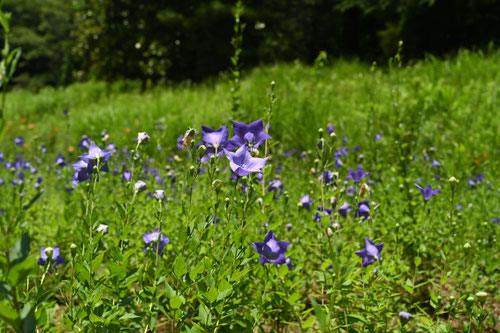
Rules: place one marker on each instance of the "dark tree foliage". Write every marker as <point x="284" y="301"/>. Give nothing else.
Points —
<point x="158" y="41"/>
<point x="42" y="28"/>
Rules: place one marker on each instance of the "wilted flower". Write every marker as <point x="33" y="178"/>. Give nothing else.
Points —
<point x="187" y="138"/>
<point x="242" y="163"/>
<point x="271" y="250"/>
<point x="428" y="192"/>
<point x="156" y="239"/>
<point x="251" y="135"/>
<point x="306" y="201"/>
<point x="363" y="190"/>
<point x="370" y="253"/>
<point x="53" y="253"/>
<point x="357" y="175"/>
<point x="139" y="186"/>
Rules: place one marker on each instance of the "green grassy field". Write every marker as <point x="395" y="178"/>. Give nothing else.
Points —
<point x="437" y="119"/>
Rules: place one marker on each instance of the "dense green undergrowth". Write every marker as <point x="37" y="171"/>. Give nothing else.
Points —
<point x="435" y="122"/>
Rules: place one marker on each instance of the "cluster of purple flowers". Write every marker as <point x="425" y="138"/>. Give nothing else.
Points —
<point x="246" y="138"/>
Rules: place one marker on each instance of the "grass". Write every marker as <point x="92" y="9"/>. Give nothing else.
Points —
<point x="436" y="255"/>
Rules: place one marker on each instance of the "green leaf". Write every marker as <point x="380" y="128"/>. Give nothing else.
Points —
<point x="193" y="274"/>
<point x="418" y="261"/>
<point x="33" y="200"/>
<point x="224" y="289"/>
<point x="204" y="313"/>
<point x="4" y="21"/>
<point x="283" y="270"/>
<point x="29" y="324"/>
<point x="319" y="315"/>
<point x="212" y="294"/>
<point x="81" y="273"/>
<point x="19" y="272"/>
<point x="6" y="290"/>
<point x="355" y="318"/>
<point x="129" y="316"/>
<point x="95" y="319"/>
<point x="19" y="251"/>
<point x="97" y="261"/>
<point x="175" y="302"/>
<point x="180" y="268"/>
<point x="8" y="314"/>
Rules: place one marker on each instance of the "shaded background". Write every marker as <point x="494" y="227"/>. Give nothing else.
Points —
<point x="164" y="41"/>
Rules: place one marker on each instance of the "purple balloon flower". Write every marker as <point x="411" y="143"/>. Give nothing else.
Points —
<point x="306" y="201"/>
<point x="428" y="192"/>
<point x="357" y="175"/>
<point x="60" y="161"/>
<point x="85" y="167"/>
<point x="271" y="250"/>
<point x="19" y="141"/>
<point x="242" y="163"/>
<point x="56" y="257"/>
<point x="251" y="135"/>
<point x="405" y="317"/>
<point x="275" y="186"/>
<point x="328" y="177"/>
<point x="370" y="253"/>
<point x="435" y="163"/>
<point x="214" y="140"/>
<point x="156" y="239"/>
<point x="363" y="210"/>
<point x="344" y="209"/>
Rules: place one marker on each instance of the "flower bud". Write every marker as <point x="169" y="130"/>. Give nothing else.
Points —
<point x="49" y="251"/>
<point x="217" y="184"/>
<point x="139" y="186"/>
<point x="142" y="137"/>
<point x="73" y="248"/>
<point x="192" y="170"/>
<point x="405" y="317"/>
<point x="329" y="232"/>
<point x="202" y="149"/>
<point x="159" y="194"/>
<point x="102" y="228"/>
<point x="481" y="296"/>
<point x="453" y="180"/>
<point x="321" y="132"/>
<point x="467" y="246"/>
